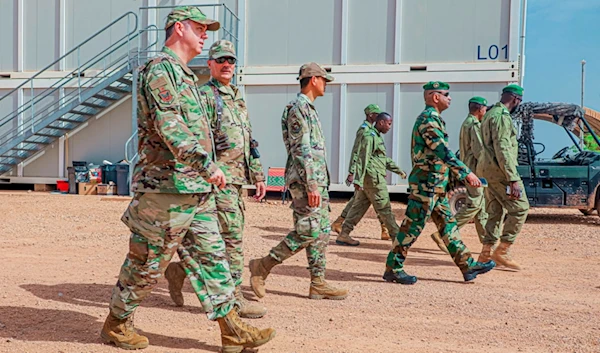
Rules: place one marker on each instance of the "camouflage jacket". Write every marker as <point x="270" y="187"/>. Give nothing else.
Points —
<point x="305" y="144"/>
<point x="500" y="147"/>
<point x="432" y="159"/>
<point x="372" y="158"/>
<point x="470" y="142"/>
<point x="237" y="163"/>
<point x="365" y="126"/>
<point x="175" y="146"/>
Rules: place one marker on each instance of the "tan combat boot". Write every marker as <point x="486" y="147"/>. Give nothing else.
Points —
<point x="502" y="257"/>
<point x="121" y="333"/>
<point x="259" y="270"/>
<point x="346" y="239"/>
<point x="385" y="233"/>
<point x="437" y="239"/>
<point x="486" y="253"/>
<point x="337" y="225"/>
<point x="237" y="335"/>
<point x="320" y="289"/>
<point x="248" y="309"/>
<point x="175" y="275"/>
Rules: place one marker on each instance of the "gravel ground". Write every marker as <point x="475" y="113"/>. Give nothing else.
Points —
<point x="63" y="253"/>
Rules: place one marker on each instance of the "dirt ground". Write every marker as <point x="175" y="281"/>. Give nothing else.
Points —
<point x="62" y="254"/>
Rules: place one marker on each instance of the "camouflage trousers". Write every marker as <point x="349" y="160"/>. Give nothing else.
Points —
<point x="230" y="212"/>
<point x="374" y="193"/>
<point x="517" y="210"/>
<point x="312" y="229"/>
<point x="159" y="223"/>
<point x="420" y="207"/>
<point x="348" y="207"/>
<point x="474" y="208"/>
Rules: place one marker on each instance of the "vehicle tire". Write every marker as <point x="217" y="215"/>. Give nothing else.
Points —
<point x="587" y="212"/>
<point x="457" y="198"/>
<point x="598" y="201"/>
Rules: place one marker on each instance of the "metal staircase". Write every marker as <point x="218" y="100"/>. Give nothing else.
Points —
<point x="83" y="92"/>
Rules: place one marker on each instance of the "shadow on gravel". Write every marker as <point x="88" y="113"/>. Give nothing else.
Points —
<point x="591" y="220"/>
<point x="51" y="325"/>
<point x="98" y="295"/>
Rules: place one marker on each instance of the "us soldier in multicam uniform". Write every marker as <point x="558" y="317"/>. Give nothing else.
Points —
<point x="232" y="126"/>
<point x="505" y="191"/>
<point x="307" y="178"/>
<point x="471" y="148"/>
<point x="369" y="179"/>
<point x="371" y="112"/>
<point x="432" y="161"/>
<point x="173" y="201"/>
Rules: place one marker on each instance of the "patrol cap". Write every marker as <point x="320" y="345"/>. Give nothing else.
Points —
<point x="191" y="13"/>
<point x="372" y="109"/>
<point x="478" y="100"/>
<point x="313" y="69"/>
<point x="514" y="89"/>
<point x="436" y="85"/>
<point x="221" y="48"/>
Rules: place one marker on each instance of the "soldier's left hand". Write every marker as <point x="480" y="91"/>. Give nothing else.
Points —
<point x="218" y="179"/>
<point x="473" y="180"/>
<point x="403" y="175"/>
<point x="261" y="190"/>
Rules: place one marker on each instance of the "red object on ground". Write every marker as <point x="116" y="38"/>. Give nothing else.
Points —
<point x="62" y="185"/>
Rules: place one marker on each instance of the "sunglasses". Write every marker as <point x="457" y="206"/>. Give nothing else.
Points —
<point x="229" y="59"/>
<point x="445" y="94"/>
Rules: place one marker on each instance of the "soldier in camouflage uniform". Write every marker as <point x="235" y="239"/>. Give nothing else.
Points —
<point x="231" y="127"/>
<point x="505" y="190"/>
<point x="371" y="112"/>
<point x="369" y="180"/>
<point x="307" y="178"/>
<point x="432" y="161"/>
<point x="173" y="194"/>
<point x="470" y="150"/>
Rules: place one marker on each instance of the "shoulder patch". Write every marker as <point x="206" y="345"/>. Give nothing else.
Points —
<point x="165" y="95"/>
<point x="161" y="81"/>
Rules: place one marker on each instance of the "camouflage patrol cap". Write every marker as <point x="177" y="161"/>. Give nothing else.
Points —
<point x="436" y="85"/>
<point x="372" y="109"/>
<point x="514" y="89"/>
<point x="191" y="13"/>
<point x="478" y="100"/>
<point x="313" y="69"/>
<point x="221" y="48"/>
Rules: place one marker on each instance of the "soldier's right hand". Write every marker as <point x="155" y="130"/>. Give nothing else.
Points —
<point x="473" y="180"/>
<point x="218" y="179"/>
<point x="515" y="190"/>
<point x="314" y="198"/>
<point x="349" y="179"/>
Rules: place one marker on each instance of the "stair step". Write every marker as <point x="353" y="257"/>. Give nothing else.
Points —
<point x="125" y="80"/>
<point x="120" y="90"/>
<point x="82" y="113"/>
<point x="94" y="105"/>
<point x="70" y="120"/>
<point x="59" y="128"/>
<point x="46" y="135"/>
<point x="106" y="98"/>
<point x="25" y="149"/>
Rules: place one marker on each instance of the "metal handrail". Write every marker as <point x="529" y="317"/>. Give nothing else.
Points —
<point x="78" y="47"/>
<point x="61" y="83"/>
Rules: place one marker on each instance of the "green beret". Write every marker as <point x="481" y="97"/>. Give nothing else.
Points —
<point x="514" y="89"/>
<point x="372" y="108"/>
<point x="478" y="100"/>
<point x="436" y="85"/>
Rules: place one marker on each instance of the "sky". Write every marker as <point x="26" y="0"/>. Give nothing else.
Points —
<point x="558" y="36"/>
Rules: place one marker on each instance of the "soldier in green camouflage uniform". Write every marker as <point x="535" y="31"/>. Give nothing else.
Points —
<point x="307" y="178"/>
<point x="470" y="150"/>
<point x="506" y="190"/>
<point x="231" y="126"/>
<point x="173" y="194"/>
<point x="432" y="161"/>
<point x="369" y="180"/>
<point x="371" y="112"/>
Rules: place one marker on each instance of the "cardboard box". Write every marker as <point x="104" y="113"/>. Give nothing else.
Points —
<point x="106" y="189"/>
<point x="87" y="188"/>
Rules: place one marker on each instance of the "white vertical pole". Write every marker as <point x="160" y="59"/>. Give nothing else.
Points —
<point x="344" y="34"/>
<point x="398" y="33"/>
<point x="342" y="133"/>
<point x="396" y="130"/>
<point x="62" y="49"/>
<point x="20" y="68"/>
